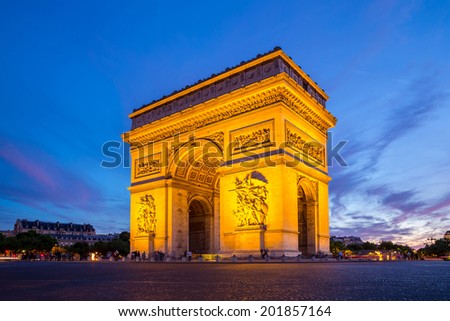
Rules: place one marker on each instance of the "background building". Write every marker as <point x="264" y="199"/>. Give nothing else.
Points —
<point x="347" y="240"/>
<point x="64" y="233"/>
<point x="7" y="233"/>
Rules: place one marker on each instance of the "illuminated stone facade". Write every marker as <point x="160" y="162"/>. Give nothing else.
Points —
<point x="233" y="164"/>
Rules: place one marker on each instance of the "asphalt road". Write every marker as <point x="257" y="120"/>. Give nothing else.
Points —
<point x="133" y="281"/>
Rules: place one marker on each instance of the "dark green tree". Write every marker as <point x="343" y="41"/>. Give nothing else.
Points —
<point x="34" y="242"/>
<point x="388" y="246"/>
<point x="355" y="247"/>
<point x="369" y="246"/>
<point x="100" y="248"/>
<point x="125" y="236"/>
<point x="2" y="243"/>
<point x="80" y="248"/>
<point x="438" y="248"/>
<point x="120" y="245"/>
<point x="335" y="247"/>
<point x="11" y="244"/>
<point x="441" y="247"/>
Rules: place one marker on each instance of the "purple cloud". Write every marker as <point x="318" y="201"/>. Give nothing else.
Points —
<point x="48" y="183"/>
<point x="358" y="198"/>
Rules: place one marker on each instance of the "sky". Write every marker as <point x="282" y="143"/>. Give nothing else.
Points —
<point x="72" y="71"/>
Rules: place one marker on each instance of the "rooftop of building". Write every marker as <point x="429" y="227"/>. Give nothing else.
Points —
<point x="37" y="224"/>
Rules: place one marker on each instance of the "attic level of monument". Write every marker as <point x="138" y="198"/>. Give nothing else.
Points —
<point x="247" y="73"/>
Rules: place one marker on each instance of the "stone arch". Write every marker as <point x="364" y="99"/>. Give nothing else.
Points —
<point x="306" y="216"/>
<point x="194" y="177"/>
<point x="200" y="224"/>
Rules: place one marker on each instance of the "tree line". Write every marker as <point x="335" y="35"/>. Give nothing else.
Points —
<point x="437" y="249"/>
<point x="31" y="244"/>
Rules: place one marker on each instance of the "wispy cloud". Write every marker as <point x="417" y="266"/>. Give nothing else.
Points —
<point x="410" y="109"/>
<point x="48" y="182"/>
<point x="439" y="205"/>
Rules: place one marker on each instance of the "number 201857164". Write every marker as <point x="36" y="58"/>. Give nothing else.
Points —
<point x="295" y="311"/>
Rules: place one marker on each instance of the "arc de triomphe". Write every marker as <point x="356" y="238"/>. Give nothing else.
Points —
<point x="233" y="164"/>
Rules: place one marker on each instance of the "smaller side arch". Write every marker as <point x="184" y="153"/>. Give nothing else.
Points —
<point x="307" y="217"/>
<point x="308" y="188"/>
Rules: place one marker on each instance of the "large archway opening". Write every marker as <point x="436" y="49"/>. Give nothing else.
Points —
<point x="199" y="228"/>
<point x="194" y="168"/>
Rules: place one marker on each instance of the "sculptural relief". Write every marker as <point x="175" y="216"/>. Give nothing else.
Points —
<point x="147" y="215"/>
<point x="251" y="195"/>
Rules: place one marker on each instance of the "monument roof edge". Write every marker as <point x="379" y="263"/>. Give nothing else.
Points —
<point x="276" y="52"/>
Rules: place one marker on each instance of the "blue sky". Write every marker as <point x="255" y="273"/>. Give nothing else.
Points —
<point x="71" y="72"/>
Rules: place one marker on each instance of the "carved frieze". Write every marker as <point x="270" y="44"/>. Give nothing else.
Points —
<point x="251" y="200"/>
<point x="146" y="166"/>
<point x="222" y="112"/>
<point x="311" y="149"/>
<point x="252" y="137"/>
<point x="146" y="220"/>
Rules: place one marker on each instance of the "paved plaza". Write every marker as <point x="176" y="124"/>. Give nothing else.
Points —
<point x="397" y="280"/>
